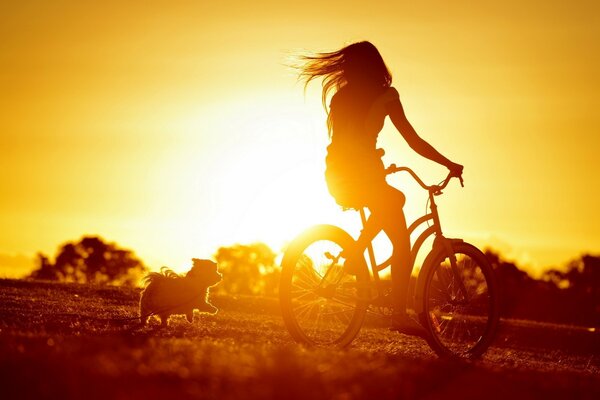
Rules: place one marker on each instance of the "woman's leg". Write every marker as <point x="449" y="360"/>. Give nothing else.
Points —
<point x="386" y="212"/>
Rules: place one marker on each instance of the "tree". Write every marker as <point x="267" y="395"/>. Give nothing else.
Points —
<point x="248" y="269"/>
<point x="570" y="297"/>
<point x="46" y="270"/>
<point x="91" y="260"/>
<point x="579" y="289"/>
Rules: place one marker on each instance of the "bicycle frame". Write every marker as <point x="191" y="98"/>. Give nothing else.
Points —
<point x="326" y="289"/>
<point x="440" y="243"/>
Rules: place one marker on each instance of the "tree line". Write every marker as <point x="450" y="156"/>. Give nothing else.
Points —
<point x="570" y="295"/>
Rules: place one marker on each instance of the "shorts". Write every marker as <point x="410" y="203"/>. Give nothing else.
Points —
<point x="354" y="180"/>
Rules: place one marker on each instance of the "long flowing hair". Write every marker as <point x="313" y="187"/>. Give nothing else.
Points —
<point x="359" y="64"/>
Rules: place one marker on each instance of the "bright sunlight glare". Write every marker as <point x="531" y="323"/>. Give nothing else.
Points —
<point x="264" y="177"/>
<point x="273" y="178"/>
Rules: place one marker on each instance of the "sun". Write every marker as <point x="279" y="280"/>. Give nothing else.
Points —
<point x="286" y="204"/>
<point x="273" y="194"/>
<point x="268" y="179"/>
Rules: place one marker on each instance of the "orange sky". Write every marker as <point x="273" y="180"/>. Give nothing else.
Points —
<point x="174" y="127"/>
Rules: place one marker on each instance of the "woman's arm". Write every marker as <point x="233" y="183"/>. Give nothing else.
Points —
<point x="396" y="113"/>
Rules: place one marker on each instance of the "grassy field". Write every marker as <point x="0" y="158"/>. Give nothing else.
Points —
<point x="60" y="341"/>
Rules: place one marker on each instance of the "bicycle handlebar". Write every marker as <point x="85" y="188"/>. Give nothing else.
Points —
<point x="436" y="189"/>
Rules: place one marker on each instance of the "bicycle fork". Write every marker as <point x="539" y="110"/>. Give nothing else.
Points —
<point x="446" y="244"/>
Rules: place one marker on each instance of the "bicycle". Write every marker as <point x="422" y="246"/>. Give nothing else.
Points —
<point x="456" y="297"/>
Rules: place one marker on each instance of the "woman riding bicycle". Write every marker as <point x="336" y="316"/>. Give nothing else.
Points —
<point x="362" y="98"/>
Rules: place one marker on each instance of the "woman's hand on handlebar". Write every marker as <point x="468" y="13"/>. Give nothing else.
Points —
<point x="456" y="170"/>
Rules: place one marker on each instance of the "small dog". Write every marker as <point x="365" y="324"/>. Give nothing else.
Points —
<point x="166" y="293"/>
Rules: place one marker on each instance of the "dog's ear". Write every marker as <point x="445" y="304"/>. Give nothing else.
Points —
<point x="201" y="267"/>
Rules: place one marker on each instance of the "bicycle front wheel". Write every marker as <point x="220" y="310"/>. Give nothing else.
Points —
<point x="321" y="304"/>
<point x="460" y="303"/>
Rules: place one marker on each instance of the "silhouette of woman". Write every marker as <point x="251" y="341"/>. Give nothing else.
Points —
<point x="362" y="98"/>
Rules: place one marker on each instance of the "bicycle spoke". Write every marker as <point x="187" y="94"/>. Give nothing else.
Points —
<point x="304" y="295"/>
<point x="308" y="284"/>
<point x="302" y="290"/>
<point x="305" y="266"/>
<point x="305" y="278"/>
<point x="303" y="312"/>
<point x="307" y="274"/>
<point x="306" y="305"/>
<point x="346" y="318"/>
<point x="318" y="320"/>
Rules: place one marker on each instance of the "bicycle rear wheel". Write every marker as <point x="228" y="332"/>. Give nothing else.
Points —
<point x="321" y="304"/>
<point x="460" y="305"/>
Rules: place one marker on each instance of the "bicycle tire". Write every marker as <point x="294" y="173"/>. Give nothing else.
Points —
<point x="461" y="318"/>
<point x="322" y="305"/>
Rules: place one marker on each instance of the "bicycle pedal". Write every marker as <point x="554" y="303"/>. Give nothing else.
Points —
<point x="435" y="322"/>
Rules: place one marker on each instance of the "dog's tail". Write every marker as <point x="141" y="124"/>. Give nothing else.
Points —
<point x="164" y="274"/>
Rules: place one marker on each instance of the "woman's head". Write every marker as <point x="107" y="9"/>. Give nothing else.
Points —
<point x="358" y="64"/>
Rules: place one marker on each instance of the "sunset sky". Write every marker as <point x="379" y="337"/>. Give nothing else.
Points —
<point x="175" y="127"/>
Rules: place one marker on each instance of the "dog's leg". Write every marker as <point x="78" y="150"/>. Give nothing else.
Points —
<point x="143" y="314"/>
<point x="190" y="316"/>
<point x="163" y="320"/>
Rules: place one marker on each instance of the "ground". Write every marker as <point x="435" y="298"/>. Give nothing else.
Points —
<point x="61" y="341"/>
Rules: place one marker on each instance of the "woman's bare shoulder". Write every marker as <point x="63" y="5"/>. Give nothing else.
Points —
<point x="391" y="94"/>
<point x="388" y="96"/>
